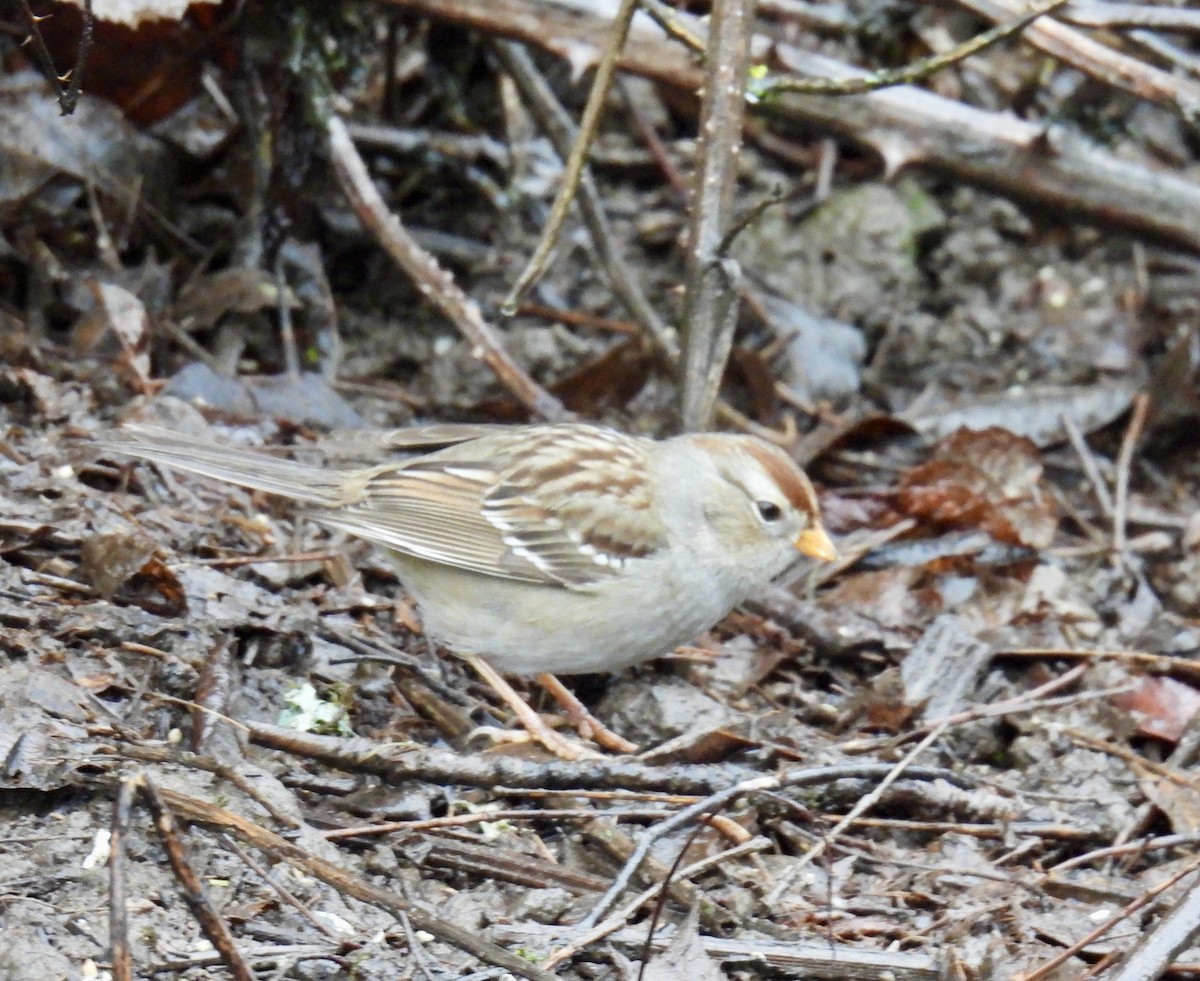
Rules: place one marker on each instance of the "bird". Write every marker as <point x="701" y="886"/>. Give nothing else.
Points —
<point x="546" y="549"/>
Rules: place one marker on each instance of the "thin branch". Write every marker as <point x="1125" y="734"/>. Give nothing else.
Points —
<point x="211" y="923"/>
<point x="118" y="889"/>
<point x="914" y="71"/>
<point x="557" y="125"/>
<point x="68" y="99"/>
<point x="433" y="281"/>
<point x="716" y="801"/>
<point x="1093" y="13"/>
<point x="711" y="295"/>
<point x="621" y="917"/>
<point x="1129" y="441"/>
<point x="1113" y="68"/>
<point x="70" y="84"/>
<point x="908" y="127"/>
<point x="1153" y="954"/>
<point x="617" y="33"/>
<point x="1143" y="900"/>
<point x="333" y="874"/>
<point x="867" y="801"/>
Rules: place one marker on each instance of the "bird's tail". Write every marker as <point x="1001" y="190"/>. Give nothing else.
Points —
<point x="246" y="468"/>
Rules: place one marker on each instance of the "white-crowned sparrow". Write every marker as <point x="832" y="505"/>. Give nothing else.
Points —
<point x="555" y="548"/>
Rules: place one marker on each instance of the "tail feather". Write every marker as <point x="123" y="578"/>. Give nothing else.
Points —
<point x="246" y="468"/>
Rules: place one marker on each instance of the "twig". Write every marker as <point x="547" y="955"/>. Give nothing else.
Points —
<point x="68" y="95"/>
<point x="1142" y="845"/>
<point x="359" y="888"/>
<point x="273" y="882"/>
<point x="914" y="71"/>
<point x="1173" y="54"/>
<point x="617" y="32"/>
<point x="1065" y="955"/>
<point x="601" y="930"/>
<point x="68" y="99"/>
<point x="118" y="892"/>
<point x="905" y="125"/>
<point x="418" y="952"/>
<point x="1029" y="701"/>
<point x="861" y="806"/>
<point x="181" y="757"/>
<point x="213" y="926"/>
<point x="1090" y="467"/>
<point x="1097" y="60"/>
<point x="487" y="817"/>
<point x="579" y="318"/>
<point x="619" y="846"/>
<point x="716" y="801"/>
<point x="1133" y="432"/>
<point x="710" y="296"/>
<point x="287" y="331"/>
<point x="1139" y="764"/>
<point x="433" y="281"/>
<point x="806" y="956"/>
<point x="1184" y="667"/>
<point x="1090" y="13"/>
<point x="1000" y="830"/>
<point x="1155" y="951"/>
<point x="557" y="125"/>
<point x="232" y="561"/>
<point x="399" y="762"/>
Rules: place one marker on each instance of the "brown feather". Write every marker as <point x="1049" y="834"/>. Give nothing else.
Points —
<point x="790" y="478"/>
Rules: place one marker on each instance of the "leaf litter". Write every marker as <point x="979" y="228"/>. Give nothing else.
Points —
<point x="142" y="612"/>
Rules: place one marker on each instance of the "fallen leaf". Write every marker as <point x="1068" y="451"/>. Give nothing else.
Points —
<point x="1163" y="706"/>
<point x="989" y="480"/>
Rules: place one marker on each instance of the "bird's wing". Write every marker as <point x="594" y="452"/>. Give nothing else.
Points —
<point x="557" y="505"/>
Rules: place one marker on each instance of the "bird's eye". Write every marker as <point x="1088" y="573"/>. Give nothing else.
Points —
<point x="769" y="511"/>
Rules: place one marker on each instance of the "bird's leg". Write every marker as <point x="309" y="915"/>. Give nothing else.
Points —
<point x="588" y="725"/>
<point x="558" y="745"/>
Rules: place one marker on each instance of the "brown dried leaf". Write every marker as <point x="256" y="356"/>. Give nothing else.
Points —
<point x="886" y="596"/>
<point x="759" y="379"/>
<point x="989" y="480"/>
<point x="126" y="568"/>
<point x="612" y="379"/>
<point x="1164" y="707"/>
<point x="123" y="314"/>
<point x="1181" y="804"/>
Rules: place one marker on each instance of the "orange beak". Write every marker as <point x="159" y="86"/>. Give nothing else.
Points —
<point x="816" y="544"/>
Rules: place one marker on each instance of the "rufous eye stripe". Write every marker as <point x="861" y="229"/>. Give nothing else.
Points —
<point x="790" y="478"/>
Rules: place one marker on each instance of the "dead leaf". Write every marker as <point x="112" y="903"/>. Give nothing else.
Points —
<point x="1181" y="804"/>
<point x="685" y="959"/>
<point x="989" y="480"/>
<point x="1163" y="706"/>
<point x="123" y="314"/>
<point x="1035" y="412"/>
<point x="126" y="568"/>
<point x="96" y="144"/>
